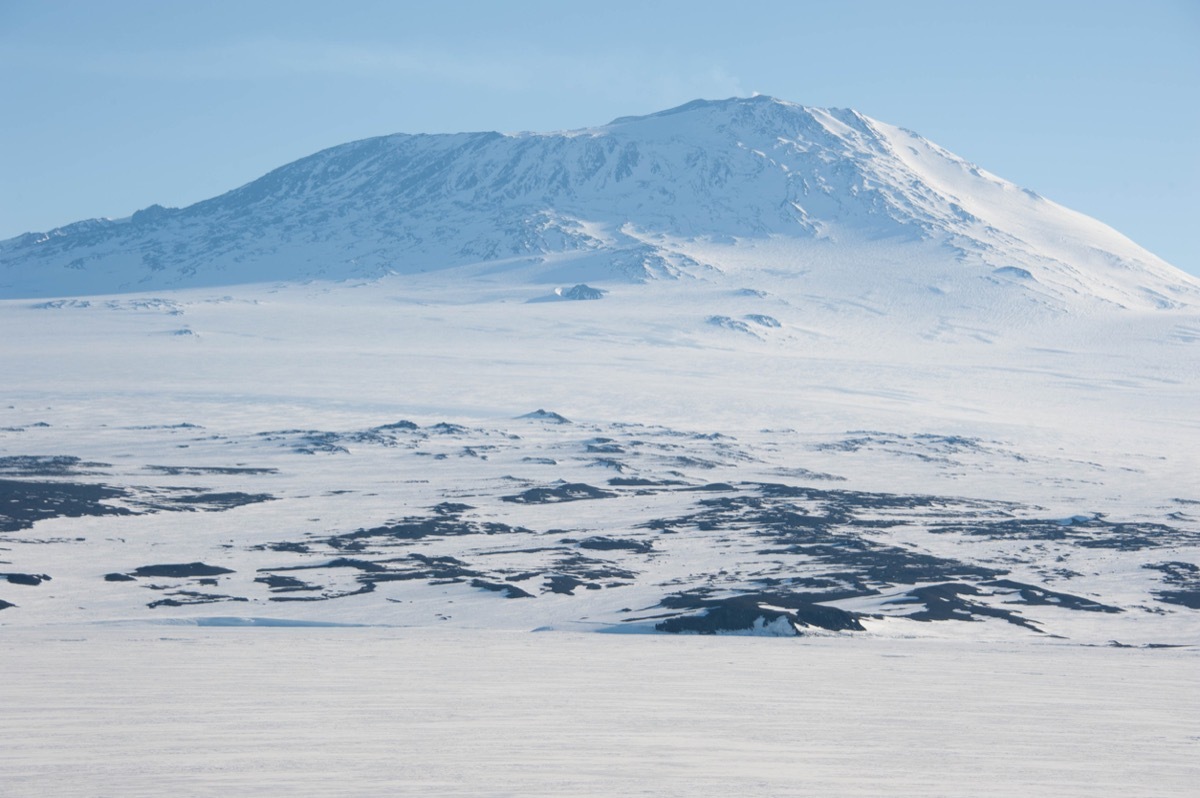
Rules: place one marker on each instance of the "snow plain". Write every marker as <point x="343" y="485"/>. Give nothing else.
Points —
<point x="175" y="710"/>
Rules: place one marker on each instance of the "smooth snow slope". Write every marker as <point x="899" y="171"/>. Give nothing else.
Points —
<point x="350" y="712"/>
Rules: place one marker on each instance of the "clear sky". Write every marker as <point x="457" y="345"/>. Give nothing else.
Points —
<point x="107" y="107"/>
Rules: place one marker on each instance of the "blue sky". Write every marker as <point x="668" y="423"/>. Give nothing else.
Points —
<point x="110" y="107"/>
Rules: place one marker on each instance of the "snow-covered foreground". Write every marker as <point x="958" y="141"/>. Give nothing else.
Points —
<point x="181" y="710"/>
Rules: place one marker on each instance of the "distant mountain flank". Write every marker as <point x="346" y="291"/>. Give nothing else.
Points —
<point x="645" y="197"/>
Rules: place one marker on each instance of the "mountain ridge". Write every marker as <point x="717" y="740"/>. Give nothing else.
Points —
<point x="741" y="169"/>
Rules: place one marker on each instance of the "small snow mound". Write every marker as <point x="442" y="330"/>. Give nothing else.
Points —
<point x="763" y="321"/>
<point x="727" y="323"/>
<point x="1013" y="271"/>
<point x="580" y="292"/>
<point x="546" y="415"/>
<point x="59" y="304"/>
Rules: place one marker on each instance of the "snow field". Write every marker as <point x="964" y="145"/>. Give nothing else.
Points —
<point x="179" y="710"/>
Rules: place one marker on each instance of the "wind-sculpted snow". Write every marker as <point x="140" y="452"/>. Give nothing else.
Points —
<point x="543" y="523"/>
<point x="622" y="200"/>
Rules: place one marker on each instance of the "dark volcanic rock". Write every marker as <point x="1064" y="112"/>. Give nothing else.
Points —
<point x="402" y="424"/>
<point x="600" y="543"/>
<point x="1093" y="532"/>
<point x="569" y="492"/>
<point x="33" y="465"/>
<point x="176" y="471"/>
<point x="509" y="591"/>
<point x="217" y="501"/>
<point x="1184" y="577"/>
<point x="582" y="291"/>
<point x="180" y="570"/>
<point x="284" y="584"/>
<point x="25" y="579"/>
<point x="1032" y="594"/>
<point x="445" y="523"/>
<point x="561" y="583"/>
<point x="22" y="504"/>
<point x="745" y="613"/>
<point x="946" y="603"/>
<point x="546" y="415"/>
<point x="188" y="597"/>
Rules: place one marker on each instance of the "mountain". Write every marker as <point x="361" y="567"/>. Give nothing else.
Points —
<point x="741" y="366"/>
<point x="630" y="200"/>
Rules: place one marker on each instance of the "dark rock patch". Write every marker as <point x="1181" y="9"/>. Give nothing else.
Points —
<point x="568" y="492"/>
<point x="192" y="471"/>
<point x="119" y="578"/>
<point x="183" y="598"/>
<point x="1093" y="532"/>
<point x="367" y="587"/>
<point x="28" y="465"/>
<point x="1184" y="578"/>
<point x="640" y="482"/>
<point x="1184" y="598"/>
<point x="582" y="291"/>
<point x="22" y="503"/>
<point x="25" y="579"/>
<point x="339" y="562"/>
<point x="446" y="523"/>
<point x="290" y="546"/>
<point x="601" y="543"/>
<point x="180" y="570"/>
<point x="563" y="584"/>
<point x="546" y="415"/>
<point x="308" y="441"/>
<point x="590" y="569"/>
<point x="446" y="428"/>
<point x="403" y="425"/>
<point x="752" y="612"/>
<point x="284" y="584"/>
<point x="452" y="508"/>
<point x="509" y="591"/>
<point x="1032" y="594"/>
<point x="946" y="603"/>
<point x="216" y="502"/>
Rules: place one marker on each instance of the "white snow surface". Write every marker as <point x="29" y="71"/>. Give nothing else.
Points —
<point x="175" y="710"/>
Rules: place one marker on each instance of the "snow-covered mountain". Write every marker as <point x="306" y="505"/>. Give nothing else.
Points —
<point x="797" y="371"/>
<point x="676" y="193"/>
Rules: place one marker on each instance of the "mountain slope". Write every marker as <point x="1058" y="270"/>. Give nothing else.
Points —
<point x="631" y="195"/>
